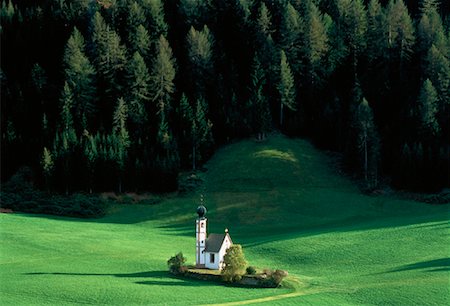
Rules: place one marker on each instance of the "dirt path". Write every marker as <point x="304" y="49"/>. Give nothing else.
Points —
<point x="298" y="290"/>
<point x="269" y="298"/>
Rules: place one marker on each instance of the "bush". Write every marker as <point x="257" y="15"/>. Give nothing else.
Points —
<point x="278" y="276"/>
<point x="273" y="278"/>
<point x="18" y="194"/>
<point x="234" y="264"/>
<point x="176" y="264"/>
<point x="251" y="270"/>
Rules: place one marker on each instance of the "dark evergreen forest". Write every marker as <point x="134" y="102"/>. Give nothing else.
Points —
<point x="124" y="94"/>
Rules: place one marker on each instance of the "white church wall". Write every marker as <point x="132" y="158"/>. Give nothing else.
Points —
<point x="212" y="265"/>
<point x="225" y="245"/>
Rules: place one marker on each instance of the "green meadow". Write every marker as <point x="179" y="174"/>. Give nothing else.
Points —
<point x="281" y="199"/>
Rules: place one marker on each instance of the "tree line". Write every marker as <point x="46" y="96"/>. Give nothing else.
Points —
<point x="124" y="94"/>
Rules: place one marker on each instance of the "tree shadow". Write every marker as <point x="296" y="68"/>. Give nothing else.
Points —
<point x="184" y="283"/>
<point x="156" y="275"/>
<point x="437" y="265"/>
<point x="145" y="274"/>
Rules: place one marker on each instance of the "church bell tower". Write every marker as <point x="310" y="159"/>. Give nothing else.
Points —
<point x="200" y="237"/>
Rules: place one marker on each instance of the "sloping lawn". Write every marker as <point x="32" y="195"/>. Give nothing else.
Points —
<point x="280" y="199"/>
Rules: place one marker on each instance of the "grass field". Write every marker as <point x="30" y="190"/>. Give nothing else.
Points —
<point x="280" y="199"/>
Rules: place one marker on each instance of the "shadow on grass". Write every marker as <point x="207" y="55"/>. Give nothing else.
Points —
<point x="154" y="274"/>
<point x="437" y="265"/>
<point x="183" y="282"/>
<point x="146" y="274"/>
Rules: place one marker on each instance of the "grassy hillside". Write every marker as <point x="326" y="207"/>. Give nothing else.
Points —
<point x="280" y="199"/>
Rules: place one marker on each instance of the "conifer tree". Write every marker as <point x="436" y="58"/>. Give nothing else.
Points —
<point x="438" y="71"/>
<point x="315" y="41"/>
<point x="430" y="29"/>
<point x="200" y="55"/>
<point x="136" y="17"/>
<point x="156" y="20"/>
<point x="121" y="138"/>
<point x="91" y="154"/>
<point x="98" y="28"/>
<point x="261" y="119"/>
<point x="268" y="53"/>
<point x="291" y="31"/>
<point x="201" y="132"/>
<point x="428" y="101"/>
<point x="47" y="166"/>
<point x="264" y="21"/>
<point x="66" y="139"/>
<point x="376" y="46"/>
<point x="286" y="87"/>
<point x="196" y="127"/>
<point x="162" y="77"/>
<point x="196" y="12"/>
<point x="400" y="30"/>
<point x="80" y="76"/>
<point x="7" y="11"/>
<point x="141" y="42"/>
<point x="39" y="78"/>
<point x="368" y="142"/>
<point x="353" y="24"/>
<point x="138" y="89"/>
<point x="186" y="114"/>
<point x="110" y="58"/>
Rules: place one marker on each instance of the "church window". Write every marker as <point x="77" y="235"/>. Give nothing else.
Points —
<point x="212" y="258"/>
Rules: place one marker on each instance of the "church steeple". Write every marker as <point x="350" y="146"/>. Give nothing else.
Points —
<point x="200" y="235"/>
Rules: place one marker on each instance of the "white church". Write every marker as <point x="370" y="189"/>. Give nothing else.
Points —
<point x="211" y="248"/>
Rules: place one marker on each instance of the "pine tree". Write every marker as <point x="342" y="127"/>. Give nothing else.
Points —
<point x="186" y="114"/>
<point x="368" y="142"/>
<point x="92" y="155"/>
<point x="66" y="139"/>
<point x="438" y="71"/>
<point x="200" y="55"/>
<point x="195" y="12"/>
<point x="430" y="29"/>
<point x="196" y="127"/>
<point x="156" y="23"/>
<point x="47" y="166"/>
<point x="67" y="105"/>
<point x="286" y="87"/>
<point x="39" y="78"/>
<point x="162" y="77"/>
<point x="141" y="42"/>
<point x="268" y="51"/>
<point x="110" y="58"/>
<point x="264" y="21"/>
<point x="315" y="41"/>
<point x="201" y="132"/>
<point x="80" y="76"/>
<point x="400" y="30"/>
<point x="138" y="88"/>
<point x="428" y="101"/>
<point x="7" y="11"/>
<point x="353" y="24"/>
<point x="261" y="119"/>
<point x="121" y="138"/>
<point x="428" y="5"/>
<point x="376" y="20"/>
<point x="98" y="28"/>
<point x="136" y="17"/>
<point x="291" y="31"/>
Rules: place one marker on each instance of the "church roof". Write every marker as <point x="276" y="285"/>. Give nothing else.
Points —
<point x="214" y="242"/>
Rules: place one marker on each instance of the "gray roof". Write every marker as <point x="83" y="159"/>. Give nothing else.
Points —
<point x="214" y="242"/>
